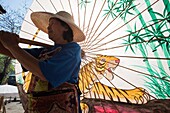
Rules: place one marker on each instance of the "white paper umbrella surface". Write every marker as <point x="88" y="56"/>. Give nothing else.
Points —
<point x="135" y="32"/>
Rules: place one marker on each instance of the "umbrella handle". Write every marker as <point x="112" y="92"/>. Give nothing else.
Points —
<point x="30" y="42"/>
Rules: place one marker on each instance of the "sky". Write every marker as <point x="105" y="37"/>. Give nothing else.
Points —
<point x="15" y="4"/>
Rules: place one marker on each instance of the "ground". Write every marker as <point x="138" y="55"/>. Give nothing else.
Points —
<point x="14" y="107"/>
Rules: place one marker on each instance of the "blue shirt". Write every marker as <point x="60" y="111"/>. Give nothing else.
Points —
<point x="62" y="66"/>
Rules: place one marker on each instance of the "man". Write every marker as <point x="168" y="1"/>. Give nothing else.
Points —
<point x="58" y="64"/>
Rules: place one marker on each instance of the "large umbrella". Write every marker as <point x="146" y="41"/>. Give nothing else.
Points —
<point x="126" y="51"/>
<point x="9" y="91"/>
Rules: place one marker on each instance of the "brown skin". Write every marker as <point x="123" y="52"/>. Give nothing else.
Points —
<point x="5" y="51"/>
<point x="9" y="46"/>
<point x="55" y="31"/>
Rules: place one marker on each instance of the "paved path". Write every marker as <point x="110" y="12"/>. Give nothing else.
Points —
<point x="14" y="107"/>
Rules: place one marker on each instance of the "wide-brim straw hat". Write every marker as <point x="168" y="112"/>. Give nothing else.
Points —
<point x="41" y="21"/>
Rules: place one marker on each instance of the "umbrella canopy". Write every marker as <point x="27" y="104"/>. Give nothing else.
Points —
<point x="9" y="91"/>
<point x="126" y="51"/>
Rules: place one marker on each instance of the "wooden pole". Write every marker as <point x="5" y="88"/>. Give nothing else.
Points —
<point x="30" y="42"/>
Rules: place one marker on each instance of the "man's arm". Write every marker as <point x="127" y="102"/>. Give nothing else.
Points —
<point x="10" y="42"/>
<point x="5" y="51"/>
<point x="28" y="61"/>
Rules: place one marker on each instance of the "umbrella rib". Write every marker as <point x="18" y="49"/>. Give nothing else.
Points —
<point x="85" y="42"/>
<point x="90" y="18"/>
<point x="78" y="13"/>
<point x="31" y="10"/>
<point x="105" y="90"/>
<point x="124" y="24"/>
<point x="89" y="38"/>
<point x="132" y="84"/>
<point x="70" y="8"/>
<point x="53" y="5"/>
<point x="40" y="5"/>
<point x="83" y="84"/>
<point x="62" y="4"/>
<point x="125" y="45"/>
<point x="94" y="39"/>
<point x="94" y="82"/>
<point x="84" y="21"/>
<point x="128" y="83"/>
<point x="97" y="90"/>
<point x="144" y="58"/>
<point x="29" y="23"/>
<point x="84" y="17"/>
<point x="92" y="78"/>
<point x="144" y="73"/>
<point x="124" y="35"/>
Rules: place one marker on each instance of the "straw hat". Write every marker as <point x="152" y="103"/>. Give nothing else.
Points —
<point x="41" y="20"/>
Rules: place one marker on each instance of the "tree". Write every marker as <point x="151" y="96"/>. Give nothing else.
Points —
<point x="6" y="68"/>
<point x="10" y="21"/>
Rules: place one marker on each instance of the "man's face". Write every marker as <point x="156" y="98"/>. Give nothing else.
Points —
<point x="55" y="30"/>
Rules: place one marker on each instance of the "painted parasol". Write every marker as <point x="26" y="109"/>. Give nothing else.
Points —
<point x="126" y="54"/>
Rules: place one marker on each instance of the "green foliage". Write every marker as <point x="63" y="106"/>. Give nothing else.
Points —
<point x="164" y="17"/>
<point x="10" y="68"/>
<point x="160" y="87"/>
<point x="135" y="37"/>
<point x="158" y="34"/>
<point x="122" y="8"/>
<point x="83" y="3"/>
<point x="158" y="83"/>
<point x="156" y="37"/>
<point x="125" y="8"/>
<point x="152" y="35"/>
<point x="110" y="10"/>
<point x="6" y="68"/>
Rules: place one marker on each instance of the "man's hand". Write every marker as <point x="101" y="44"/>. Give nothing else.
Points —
<point x="9" y="40"/>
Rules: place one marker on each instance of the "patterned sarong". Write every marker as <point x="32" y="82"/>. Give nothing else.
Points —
<point x="62" y="99"/>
